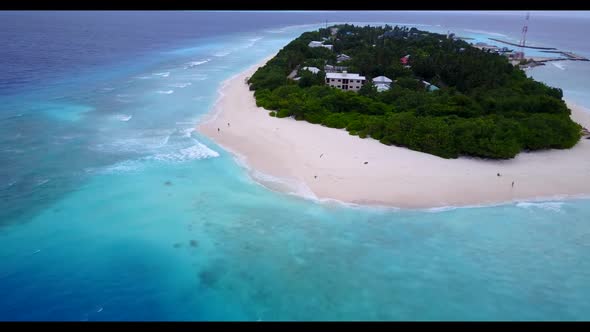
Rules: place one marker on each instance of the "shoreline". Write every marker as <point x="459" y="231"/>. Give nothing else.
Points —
<point x="325" y="164"/>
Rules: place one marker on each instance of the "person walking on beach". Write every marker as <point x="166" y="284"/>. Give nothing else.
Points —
<point x="512" y="184"/>
<point x="218" y="130"/>
<point x="228" y="124"/>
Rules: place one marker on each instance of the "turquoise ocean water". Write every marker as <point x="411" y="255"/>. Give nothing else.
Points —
<point x="114" y="208"/>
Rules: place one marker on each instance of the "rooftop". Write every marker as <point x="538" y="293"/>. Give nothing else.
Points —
<point x="345" y="75"/>
<point x="315" y="43"/>
<point x="382" y="79"/>
<point x="314" y="70"/>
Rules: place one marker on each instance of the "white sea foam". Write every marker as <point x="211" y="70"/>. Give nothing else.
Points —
<point x="164" y="141"/>
<point x="123" y="117"/>
<point x="197" y="151"/>
<point x="278" y="184"/>
<point x="194" y="152"/>
<point x="441" y="209"/>
<point x="164" y="74"/>
<point x="180" y="85"/>
<point x="490" y="33"/>
<point x="108" y="89"/>
<point x="300" y="189"/>
<point x="143" y="77"/>
<point x="289" y="186"/>
<point x="188" y="132"/>
<point x="252" y="42"/>
<point x="147" y="143"/>
<point x="165" y="92"/>
<point x="196" y="63"/>
<point x="549" y="206"/>
<point x="42" y="182"/>
<point x="454" y="207"/>
<point x="222" y="54"/>
<point x="120" y="167"/>
<point x="559" y="65"/>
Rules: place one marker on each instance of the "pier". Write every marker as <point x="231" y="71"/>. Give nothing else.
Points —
<point x="564" y="55"/>
<point x="515" y="44"/>
<point x="533" y="61"/>
<point x="574" y="57"/>
<point x="569" y="55"/>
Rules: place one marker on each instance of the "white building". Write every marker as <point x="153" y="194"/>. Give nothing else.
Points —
<point x="382" y="83"/>
<point x="342" y="57"/>
<point x="316" y="43"/>
<point x="314" y="70"/>
<point x="345" y="81"/>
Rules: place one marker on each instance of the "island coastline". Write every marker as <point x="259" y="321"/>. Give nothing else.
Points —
<point x="327" y="164"/>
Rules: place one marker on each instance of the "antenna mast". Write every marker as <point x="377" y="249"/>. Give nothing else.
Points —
<point x="525" y="28"/>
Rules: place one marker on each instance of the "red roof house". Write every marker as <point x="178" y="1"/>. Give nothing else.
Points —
<point x="404" y="60"/>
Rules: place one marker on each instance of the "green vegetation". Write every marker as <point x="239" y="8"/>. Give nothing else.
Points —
<point x="485" y="106"/>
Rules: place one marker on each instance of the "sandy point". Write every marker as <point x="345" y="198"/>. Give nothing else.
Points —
<point x="326" y="163"/>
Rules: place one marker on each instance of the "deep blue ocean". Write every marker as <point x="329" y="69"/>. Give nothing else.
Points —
<point x="112" y="207"/>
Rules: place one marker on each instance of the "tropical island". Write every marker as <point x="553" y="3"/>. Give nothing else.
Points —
<point x="453" y="118"/>
<point x="421" y="90"/>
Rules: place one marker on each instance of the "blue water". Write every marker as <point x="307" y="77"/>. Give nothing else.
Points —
<point x="113" y="208"/>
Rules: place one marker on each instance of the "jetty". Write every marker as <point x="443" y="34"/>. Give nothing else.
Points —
<point x="525" y="46"/>
<point x="569" y="55"/>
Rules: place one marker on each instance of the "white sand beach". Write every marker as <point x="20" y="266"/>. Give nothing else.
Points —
<point x="335" y="165"/>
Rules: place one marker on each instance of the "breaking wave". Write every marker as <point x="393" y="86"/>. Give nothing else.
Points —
<point x="120" y="167"/>
<point x="196" y="63"/>
<point x="194" y="152"/>
<point x="123" y="117"/>
<point x="42" y="182"/>
<point x="180" y="85"/>
<point x="558" y="65"/>
<point x="176" y="145"/>
<point x="252" y="41"/>
<point x="548" y="206"/>
<point x="197" y="151"/>
<point x="222" y="54"/>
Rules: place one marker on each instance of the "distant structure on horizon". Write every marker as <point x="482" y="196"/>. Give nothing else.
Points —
<point x="522" y="43"/>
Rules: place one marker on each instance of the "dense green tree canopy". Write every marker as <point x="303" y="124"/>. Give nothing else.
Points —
<point x="485" y="106"/>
